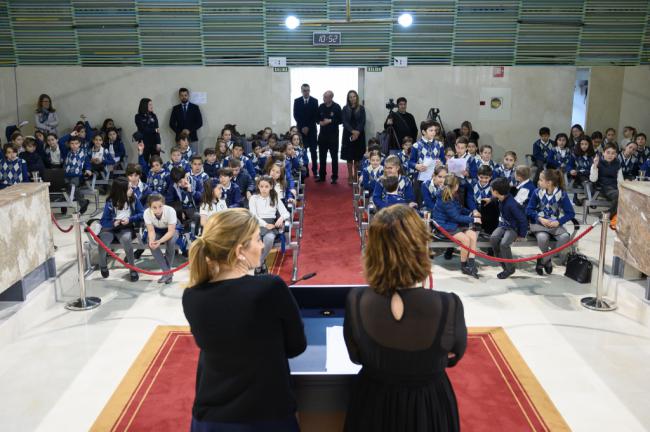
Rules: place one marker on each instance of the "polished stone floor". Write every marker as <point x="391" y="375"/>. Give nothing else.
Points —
<point x="58" y="368"/>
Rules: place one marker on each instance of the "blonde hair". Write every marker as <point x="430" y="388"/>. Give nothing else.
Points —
<point x="396" y="255"/>
<point x="450" y="185"/>
<point x="215" y="249"/>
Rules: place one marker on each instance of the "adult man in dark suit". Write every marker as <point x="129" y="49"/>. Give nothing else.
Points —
<point x="328" y="138"/>
<point x="305" y="113"/>
<point x="186" y="116"/>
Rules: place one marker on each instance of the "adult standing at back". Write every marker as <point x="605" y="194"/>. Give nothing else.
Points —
<point x="305" y="113"/>
<point x="402" y="121"/>
<point x="46" y="119"/>
<point x="246" y="328"/>
<point x="353" y="145"/>
<point x="404" y="335"/>
<point x="147" y="123"/>
<point x="328" y="137"/>
<point x="186" y="116"/>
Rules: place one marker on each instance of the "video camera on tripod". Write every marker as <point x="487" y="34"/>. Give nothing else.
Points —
<point x="434" y="114"/>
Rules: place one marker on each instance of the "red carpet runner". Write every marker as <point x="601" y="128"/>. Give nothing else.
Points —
<point x="330" y="243"/>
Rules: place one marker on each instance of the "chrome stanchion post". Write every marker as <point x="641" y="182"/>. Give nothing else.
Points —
<point x="598" y="303"/>
<point x="82" y="303"/>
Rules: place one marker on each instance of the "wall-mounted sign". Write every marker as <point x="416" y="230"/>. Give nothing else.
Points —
<point x="326" y="38"/>
<point x="277" y="61"/>
<point x="498" y="71"/>
<point x="400" y="61"/>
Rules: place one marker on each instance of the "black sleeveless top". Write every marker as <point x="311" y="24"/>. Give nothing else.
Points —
<point x="403" y="385"/>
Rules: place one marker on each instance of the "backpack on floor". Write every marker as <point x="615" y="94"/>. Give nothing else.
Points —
<point x="578" y="268"/>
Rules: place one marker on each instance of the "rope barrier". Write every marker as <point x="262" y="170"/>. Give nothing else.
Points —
<point x="514" y="260"/>
<point x="56" y="224"/>
<point x="129" y="266"/>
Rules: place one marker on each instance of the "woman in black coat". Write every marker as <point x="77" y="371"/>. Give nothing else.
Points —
<point x="147" y="124"/>
<point x="353" y="145"/>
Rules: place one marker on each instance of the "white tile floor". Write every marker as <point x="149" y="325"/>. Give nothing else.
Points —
<point x="58" y="368"/>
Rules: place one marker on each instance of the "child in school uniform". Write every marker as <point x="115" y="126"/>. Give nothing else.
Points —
<point x="231" y="192"/>
<point x="643" y="151"/>
<point x="507" y="168"/>
<point x="210" y="164"/>
<point x="183" y="143"/>
<point x="597" y="141"/>
<point x="484" y="158"/>
<point x="456" y="220"/>
<point x="17" y="140"/>
<point x="392" y="196"/>
<point x="222" y="151"/>
<point x="541" y="150"/>
<point x="238" y="153"/>
<point x="212" y="200"/>
<point x="560" y="156"/>
<point x="629" y="133"/>
<point x="629" y="161"/>
<point x="580" y="165"/>
<point x="140" y="190"/>
<point x="525" y="187"/>
<point x="405" y="155"/>
<point x="606" y="173"/>
<point x="100" y="158"/>
<point x="12" y="168"/>
<point x="197" y="175"/>
<point x="512" y="225"/>
<point x="160" y="221"/>
<point x="372" y="173"/>
<point x="121" y="211"/>
<point x="157" y="176"/>
<point x="284" y="185"/>
<point x="392" y="168"/>
<point x="431" y="188"/>
<point x="32" y="158"/>
<point x="271" y="213"/>
<point x="426" y="151"/>
<point x="549" y="209"/>
<point x="610" y="137"/>
<point x="244" y="181"/>
<point x="181" y="196"/>
<point x="54" y="152"/>
<point x="77" y="169"/>
<point x="479" y="197"/>
<point x="116" y="147"/>
<point x="177" y="161"/>
<point x="301" y="154"/>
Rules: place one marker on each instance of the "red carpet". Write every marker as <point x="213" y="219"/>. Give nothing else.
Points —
<point x="495" y="389"/>
<point x="330" y="243"/>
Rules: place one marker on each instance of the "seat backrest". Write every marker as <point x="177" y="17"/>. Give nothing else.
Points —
<point x="56" y="178"/>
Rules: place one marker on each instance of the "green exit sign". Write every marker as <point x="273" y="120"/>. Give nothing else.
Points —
<point x="373" y="69"/>
<point x="280" y="69"/>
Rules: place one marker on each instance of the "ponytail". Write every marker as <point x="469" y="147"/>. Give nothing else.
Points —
<point x="554" y="176"/>
<point x="451" y="183"/>
<point x="200" y="270"/>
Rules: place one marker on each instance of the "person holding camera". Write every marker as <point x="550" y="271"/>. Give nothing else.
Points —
<point x="403" y="122"/>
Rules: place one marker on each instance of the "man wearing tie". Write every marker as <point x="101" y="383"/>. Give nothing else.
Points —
<point x="186" y="116"/>
<point x="305" y="113"/>
<point x="328" y="138"/>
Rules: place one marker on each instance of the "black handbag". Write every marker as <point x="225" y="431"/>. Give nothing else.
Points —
<point x="578" y="268"/>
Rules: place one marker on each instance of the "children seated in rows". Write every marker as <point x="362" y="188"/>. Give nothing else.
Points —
<point x="270" y="211"/>
<point x="212" y="200"/>
<point x="392" y="168"/>
<point x="549" y="209"/>
<point x="372" y="173"/>
<point x="512" y="225"/>
<point x="121" y="211"/>
<point x="431" y="189"/>
<point x="456" y="220"/>
<point x="160" y="221"/>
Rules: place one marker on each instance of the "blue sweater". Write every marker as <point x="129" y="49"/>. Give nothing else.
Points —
<point x="107" y="159"/>
<point x="475" y="163"/>
<point x="450" y="214"/>
<point x="559" y="158"/>
<point x="475" y="193"/>
<point x="119" y="149"/>
<point x="512" y="216"/>
<point x="169" y="165"/>
<point x="629" y="166"/>
<point x="556" y="206"/>
<point x="582" y="164"/>
<point x="12" y="172"/>
<point x="232" y="195"/>
<point x="157" y="182"/>
<point x="177" y="194"/>
<point x="404" y="189"/>
<point x="108" y="216"/>
<point x="369" y="178"/>
<point x="76" y="163"/>
<point x="422" y="150"/>
<point x="246" y="164"/>
<point x="541" y="150"/>
<point x="509" y="174"/>
<point x="429" y="194"/>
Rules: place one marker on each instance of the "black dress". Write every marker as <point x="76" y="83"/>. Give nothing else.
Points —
<point x="353" y="120"/>
<point x="147" y="124"/>
<point x="403" y="385"/>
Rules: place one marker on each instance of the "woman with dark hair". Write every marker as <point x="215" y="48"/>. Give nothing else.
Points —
<point x="246" y="328"/>
<point x="353" y="145"/>
<point x="147" y="124"/>
<point x="46" y="119"/>
<point x="403" y="334"/>
<point x="467" y="131"/>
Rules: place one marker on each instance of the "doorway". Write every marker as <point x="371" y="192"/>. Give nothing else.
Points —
<point x="339" y="80"/>
<point x="580" y="96"/>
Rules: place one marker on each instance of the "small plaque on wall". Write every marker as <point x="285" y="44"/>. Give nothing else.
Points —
<point x="400" y="61"/>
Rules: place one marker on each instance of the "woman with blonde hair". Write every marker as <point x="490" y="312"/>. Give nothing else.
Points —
<point x="404" y="335"/>
<point x="247" y="327"/>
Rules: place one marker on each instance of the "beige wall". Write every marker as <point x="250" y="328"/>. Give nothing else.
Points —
<point x="635" y="101"/>
<point x="604" y="99"/>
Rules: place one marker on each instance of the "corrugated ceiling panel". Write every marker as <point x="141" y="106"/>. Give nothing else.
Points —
<point x="613" y="32"/>
<point x="295" y="45"/>
<point x="107" y="32"/>
<point x="7" y="53"/>
<point x="362" y="44"/>
<point x="549" y="31"/>
<point x="486" y="31"/>
<point x="233" y="32"/>
<point x="430" y="39"/>
<point x="645" y="48"/>
<point x="43" y="32"/>
<point x="170" y="32"/>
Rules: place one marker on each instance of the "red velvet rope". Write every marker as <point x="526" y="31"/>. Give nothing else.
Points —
<point x="56" y="224"/>
<point x="515" y="260"/>
<point x="129" y="266"/>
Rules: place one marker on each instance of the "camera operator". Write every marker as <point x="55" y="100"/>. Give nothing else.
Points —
<point x="402" y="122"/>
